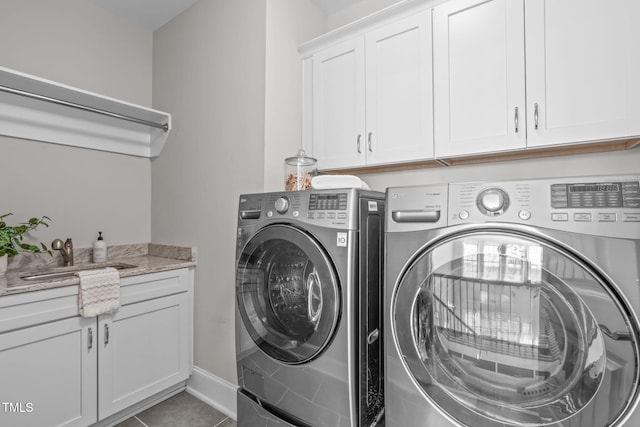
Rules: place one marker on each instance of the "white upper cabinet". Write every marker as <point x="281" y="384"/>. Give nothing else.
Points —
<point x="582" y="66"/>
<point x="479" y="86"/>
<point x="583" y="70"/>
<point x="338" y="105"/>
<point x="371" y="96"/>
<point x="399" y="94"/>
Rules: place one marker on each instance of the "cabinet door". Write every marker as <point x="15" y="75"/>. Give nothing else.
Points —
<point x="583" y="68"/>
<point x="48" y="374"/>
<point x="338" y="105"/>
<point x="399" y="95"/>
<point x="479" y="87"/>
<point x="144" y="349"/>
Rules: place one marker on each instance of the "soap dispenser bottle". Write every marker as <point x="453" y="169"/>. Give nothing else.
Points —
<point x="99" y="249"/>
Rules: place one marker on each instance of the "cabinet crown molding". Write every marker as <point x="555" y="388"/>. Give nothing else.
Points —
<point x="362" y="25"/>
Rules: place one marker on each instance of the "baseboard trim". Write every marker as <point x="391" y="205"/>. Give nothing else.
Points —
<point x="213" y="390"/>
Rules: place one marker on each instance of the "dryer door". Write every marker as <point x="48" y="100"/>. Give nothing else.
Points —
<point x="499" y="328"/>
<point x="287" y="293"/>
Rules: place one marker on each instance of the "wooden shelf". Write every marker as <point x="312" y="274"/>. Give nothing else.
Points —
<point x="43" y="110"/>
<point x="532" y="153"/>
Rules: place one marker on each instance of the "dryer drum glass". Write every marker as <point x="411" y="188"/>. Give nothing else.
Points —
<point x="287" y="294"/>
<point x="508" y="328"/>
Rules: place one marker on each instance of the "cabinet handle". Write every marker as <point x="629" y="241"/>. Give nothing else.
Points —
<point x="515" y="119"/>
<point x="106" y="334"/>
<point x="90" y="338"/>
<point x="369" y="142"/>
<point x="358" y="143"/>
<point x="535" y="115"/>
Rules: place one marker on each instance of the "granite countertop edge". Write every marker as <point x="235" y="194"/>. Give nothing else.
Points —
<point x="147" y="258"/>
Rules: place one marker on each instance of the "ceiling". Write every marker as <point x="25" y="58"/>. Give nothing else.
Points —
<point x="153" y="14"/>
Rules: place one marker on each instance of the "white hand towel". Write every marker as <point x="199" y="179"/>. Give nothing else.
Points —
<point x="99" y="292"/>
<point x="338" y="181"/>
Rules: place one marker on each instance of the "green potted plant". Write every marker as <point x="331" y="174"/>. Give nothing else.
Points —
<point x="11" y="238"/>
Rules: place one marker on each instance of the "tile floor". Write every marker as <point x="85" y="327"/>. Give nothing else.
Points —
<point x="181" y="410"/>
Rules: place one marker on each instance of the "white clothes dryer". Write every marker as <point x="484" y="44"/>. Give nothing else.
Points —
<point x="513" y="303"/>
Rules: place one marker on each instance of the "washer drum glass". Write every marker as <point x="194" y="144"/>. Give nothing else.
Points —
<point x="514" y="330"/>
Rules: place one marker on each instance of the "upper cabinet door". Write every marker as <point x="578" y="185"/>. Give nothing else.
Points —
<point x="399" y="94"/>
<point x="338" y="105"/>
<point x="479" y="73"/>
<point x="583" y="70"/>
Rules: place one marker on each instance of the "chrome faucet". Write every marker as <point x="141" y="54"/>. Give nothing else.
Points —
<point x="66" y="249"/>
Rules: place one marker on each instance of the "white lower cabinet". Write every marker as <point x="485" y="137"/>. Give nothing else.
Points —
<point x="143" y="350"/>
<point x="49" y="375"/>
<point x="78" y="371"/>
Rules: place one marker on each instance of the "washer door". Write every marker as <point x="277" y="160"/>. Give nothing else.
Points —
<point x="287" y="293"/>
<point x="516" y="330"/>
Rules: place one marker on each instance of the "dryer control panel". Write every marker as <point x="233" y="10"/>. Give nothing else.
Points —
<point x="327" y="208"/>
<point x="601" y="205"/>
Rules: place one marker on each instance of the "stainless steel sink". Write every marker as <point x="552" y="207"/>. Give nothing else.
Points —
<point x="63" y="272"/>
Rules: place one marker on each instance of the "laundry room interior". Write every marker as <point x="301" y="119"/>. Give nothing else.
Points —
<point x="277" y="182"/>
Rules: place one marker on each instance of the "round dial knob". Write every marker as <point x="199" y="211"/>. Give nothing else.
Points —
<point x="282" y="205"/>
<point x="493" y="201"/>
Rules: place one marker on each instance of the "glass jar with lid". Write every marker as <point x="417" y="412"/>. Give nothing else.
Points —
<point x="298" y="172"/>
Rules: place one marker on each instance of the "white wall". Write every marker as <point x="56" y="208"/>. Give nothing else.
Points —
<point x="357" y="11"/>
<point x="209" y="72"/>
<point x="289" y="24"/>
<point x="79" y="44"/>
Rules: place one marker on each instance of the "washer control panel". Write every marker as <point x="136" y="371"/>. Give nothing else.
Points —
<point x="598" y="195"/>
<point x="602" y="205"/>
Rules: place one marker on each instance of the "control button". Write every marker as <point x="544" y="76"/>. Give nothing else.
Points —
<point x="269" y="214"/>
<point x="320" y="215"/>
<point x="311" y="215"/>
<point x="295" y="214"/>
<point x="582" y="217"/>
<point x="524" y="215"/>
<point x="342" y="215"/>
<point x="463" y="215"/>
<point x="493" y="201"/>
<point x="631" y="217"/>
<point x="331" y="215"/>
<point x="282" y="205"/>
<point x="559" y="217"/>
<point x="607" y="217"/>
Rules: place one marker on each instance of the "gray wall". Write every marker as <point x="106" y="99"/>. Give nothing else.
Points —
<point x="209" y="72"/>
<point x="79" y="44"/>
<point x="289" y="24"/>
<point x="230" y="74"/>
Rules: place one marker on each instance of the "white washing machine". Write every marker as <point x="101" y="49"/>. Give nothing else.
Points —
<point x="308" y="303"/>
<point x="513" y="303"/>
